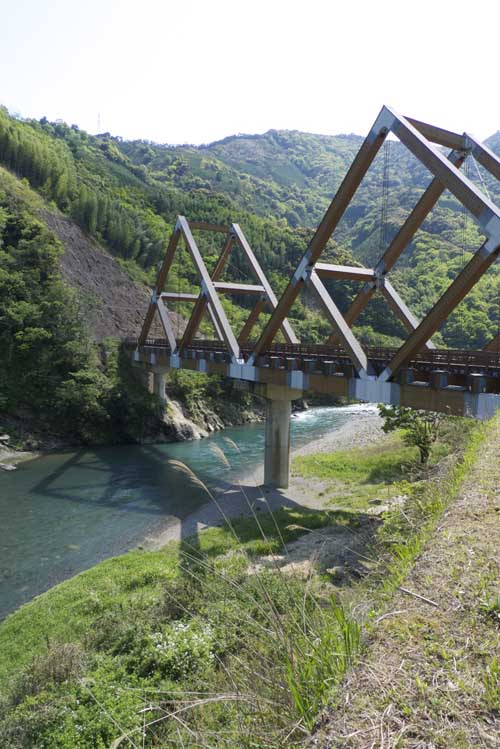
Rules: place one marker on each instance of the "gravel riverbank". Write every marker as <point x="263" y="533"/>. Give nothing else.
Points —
<point x="10" y="458"/>
<point x="247" y="495"/>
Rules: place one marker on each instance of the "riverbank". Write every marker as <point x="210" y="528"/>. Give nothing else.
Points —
<point x="430" y="674"/>
<point x="247" y="495"/>
<point x="29" y="435"/>
<point x="223" y="628"/>
<point x="10" y="458"/>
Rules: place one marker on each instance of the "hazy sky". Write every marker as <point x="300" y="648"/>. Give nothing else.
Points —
<point x="179" y="71"/>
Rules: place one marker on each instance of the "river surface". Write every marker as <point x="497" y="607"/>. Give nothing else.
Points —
<point x="66" y="511"/>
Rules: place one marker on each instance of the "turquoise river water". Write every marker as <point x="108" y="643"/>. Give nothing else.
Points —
<point x="66" y="511"/>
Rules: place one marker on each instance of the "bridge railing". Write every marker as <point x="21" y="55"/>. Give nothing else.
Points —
<point x="463" y="361"/>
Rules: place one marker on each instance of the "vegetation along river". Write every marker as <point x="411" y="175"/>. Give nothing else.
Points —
<point x="66" y="511"/>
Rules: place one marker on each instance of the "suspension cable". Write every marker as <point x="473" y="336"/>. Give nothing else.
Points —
<point x="465" y="216"/>
<point x="483" y="184"/>
<point x="384" y="197"/>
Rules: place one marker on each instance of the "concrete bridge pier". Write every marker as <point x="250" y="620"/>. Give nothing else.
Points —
<point x="159" y="384"/>
<point x="277" y="436"/>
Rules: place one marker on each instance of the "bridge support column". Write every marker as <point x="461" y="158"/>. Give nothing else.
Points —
<point x="144" y="376"/>
<point x="159" y="385"/>
<point x="277" y="440"/>
<point x="277" y="449"/>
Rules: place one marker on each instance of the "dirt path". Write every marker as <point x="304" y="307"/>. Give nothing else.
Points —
<point x="424" y="682"/>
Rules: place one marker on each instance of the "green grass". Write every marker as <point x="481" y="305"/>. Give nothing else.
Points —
<point x="195" y="616"/>
<point x="353" y="477"/>
<point x="164" y="625"/>
<point x="491" y="683"/>
<point x="133" y="581"/>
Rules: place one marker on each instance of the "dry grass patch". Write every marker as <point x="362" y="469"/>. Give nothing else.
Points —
<point x="431" y="677"/>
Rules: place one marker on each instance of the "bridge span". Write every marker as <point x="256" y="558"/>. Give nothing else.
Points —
<point x="417" y="374"/>
<point x="459" y="383"/>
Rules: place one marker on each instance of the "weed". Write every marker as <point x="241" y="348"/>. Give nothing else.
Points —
<point x="327" y="655"/>
<point x="491" y="607"/>
<point x="61" y="663"/>
<point x="491" y="683"/>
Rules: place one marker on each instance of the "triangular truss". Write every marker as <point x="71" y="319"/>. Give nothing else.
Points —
<point x="421" y="139"/>
<point x="208" y="301"/>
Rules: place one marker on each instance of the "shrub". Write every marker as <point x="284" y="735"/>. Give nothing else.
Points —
<point x="178" y="651"/>
<point x="61" y="663"/>
<point x="420" y="428"/>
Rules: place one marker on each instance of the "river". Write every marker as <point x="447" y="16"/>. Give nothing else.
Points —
<point x="66" y="511"/>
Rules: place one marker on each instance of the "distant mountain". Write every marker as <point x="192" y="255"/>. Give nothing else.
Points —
<point x="277" y="185"/>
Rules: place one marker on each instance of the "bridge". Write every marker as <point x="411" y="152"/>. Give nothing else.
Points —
<point x="277" y="365"/>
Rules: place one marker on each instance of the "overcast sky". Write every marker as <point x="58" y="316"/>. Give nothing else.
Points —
<point x="178" y="71"/>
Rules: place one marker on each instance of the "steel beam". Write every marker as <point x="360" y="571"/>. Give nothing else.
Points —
<point x="484" y="155"/>
<point x="201" y="303"/>
<point x="237" y="288"/>
<point x="369" y="149"/>
<point x="400" y="309"/>
<point x="200" y="308"/>
<point x="415" y="219"/>
<point x="285" y="326"/>
<point x="166" y="324"/>
<point x="334" y="315"/>
<point x="251" y="320"/>
<point x="438" y="134"/>
<point x="486" y="212"/>
<point x="160" y="282"/>
<point x="215" y="324"/>
<point x="344" y="272"/>
<point x="223" y="258"/>
<point x="208" y="291"/>
<point x="174" y="296"/>
<point x="462" y="284"/>
<point x="402" y="239"/>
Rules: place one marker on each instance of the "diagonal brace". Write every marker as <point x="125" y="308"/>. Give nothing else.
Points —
<point x="400" y="309"/>
<point x="349" y="341"/>
<point x="460" y="287"/>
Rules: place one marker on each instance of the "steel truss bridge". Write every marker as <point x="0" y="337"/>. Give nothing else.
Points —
<point x="416" y="374"/>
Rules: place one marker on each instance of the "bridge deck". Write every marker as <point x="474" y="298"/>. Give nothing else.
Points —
<point x="447" y="380"/>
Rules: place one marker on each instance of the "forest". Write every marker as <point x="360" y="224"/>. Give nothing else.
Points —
<point x="127" y="194"/>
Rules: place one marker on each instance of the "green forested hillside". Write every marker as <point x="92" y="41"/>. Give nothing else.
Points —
<point x="294" y="175"/>
<point x="51" y="375"/>
<point x="127" y="194"/>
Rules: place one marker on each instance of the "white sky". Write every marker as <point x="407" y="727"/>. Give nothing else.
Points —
<point x="178" y="71"/>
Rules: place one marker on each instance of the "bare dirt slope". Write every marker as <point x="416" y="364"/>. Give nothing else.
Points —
<point x="113" y="303"/>
<point x="431" y="676"/>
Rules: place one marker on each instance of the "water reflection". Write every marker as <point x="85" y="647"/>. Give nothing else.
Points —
<point x="64" y="512"/>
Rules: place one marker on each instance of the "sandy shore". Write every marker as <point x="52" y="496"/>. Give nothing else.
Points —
<point x="248" y="496"/>
<point x="10" y="458"/>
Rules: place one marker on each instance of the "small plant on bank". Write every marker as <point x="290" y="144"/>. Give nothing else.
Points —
<point x="420" y="428"/>
<point x="491" y="607"/>
<point x="491" y="682"/>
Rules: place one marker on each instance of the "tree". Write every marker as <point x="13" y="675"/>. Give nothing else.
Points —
<point x="420" y="428"/>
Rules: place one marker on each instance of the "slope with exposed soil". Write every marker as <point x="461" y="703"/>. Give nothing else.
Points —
<point x="114" y="304"/>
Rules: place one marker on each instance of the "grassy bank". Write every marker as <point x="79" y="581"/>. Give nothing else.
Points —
<point x="223" y="640"/>
<point x="430" y="672"/>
